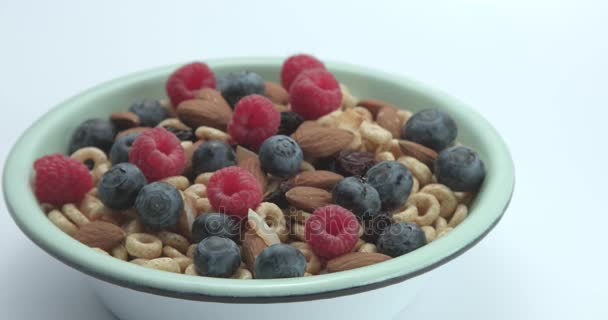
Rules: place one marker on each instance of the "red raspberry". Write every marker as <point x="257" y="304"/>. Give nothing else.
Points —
<point x="61" y="179"/>
<point x="331" y="231"/>
<point x="158" y="153"/>
<point x="233" y="190"/>
<point x="254" y="120"/>
<point x="184" y="82"/>
<point x="315" y="93"/>
<point x="296" y="64"/>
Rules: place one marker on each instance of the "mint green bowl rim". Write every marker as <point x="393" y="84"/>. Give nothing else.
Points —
<point x="497" y="190"/>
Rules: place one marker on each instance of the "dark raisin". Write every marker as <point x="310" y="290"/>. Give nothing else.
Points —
<point x="375" y="226"/>
<point x="183" y="135"/>
<point x="354" y="163"/>
<point x="278" y="196"/>
<point x="290" y="121"/>
<point x="328" y="164"/>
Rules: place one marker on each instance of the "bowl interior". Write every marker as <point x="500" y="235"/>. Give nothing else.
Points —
<point x="51" y="134"/>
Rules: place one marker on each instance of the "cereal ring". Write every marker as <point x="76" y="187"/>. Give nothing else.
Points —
<point x="368" y="247"/>
<point x="428" y="208"/>
<point x="174" y="240"/>
<point x="297" y="215"/>
<point x="169" y="251"/>
<point x="445" y="196"/>
<point x="180" y="182"/>
<point x="419" y="170"/>
<point x="94" y="209"/>
<point x="429" y="233"/>
<point x="415" y="186"/>
<point x="306" y="166"/>
<point x="404" y="115"/>
<point x="98" y="158"/>
<point x="359" y="243"/>
<point x="375" y="134"/>
<point x="313" y="263"/>
<point x="183" y="263"/>
<point x="459" y="215"/>
<point x="348" y="100"/>
<point x="203" y="205"/>
<point x="274" y="218"/>
<point x="144" y="245"/>
<point x="242" y="273"/>
<point x="173" y="123"/>
<point x="58" y="219"/>
<point x="464" y="197"/>
<point x="71" y="212"/>
<point x="297" y="231"/>
<point x="385" y="156"/>
<point x="357" y="143"/>
<point x="308" y="274"/>
<point x="199" y="190"/>
<point x="330" y="119"/>
<point x="440" y="224"/>
<point x="367" y="116"/>
<point x="203" y="178"/>
<point x="444" y="232"/>
<point x="139" y="261"/>
<point x="395" y="149"/>
<point x="208" y="133"/>
<point x="101" y="251"/>
<point x="133" y="226"/>
<point x="408" y="215"/>
<point x="191" y="250"/>
<point x="191" y="270"/>
<point x="120" y="252"/>
<point x="164" y="264"/>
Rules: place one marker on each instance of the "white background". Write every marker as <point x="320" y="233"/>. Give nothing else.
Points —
<point x="537" y="70"/>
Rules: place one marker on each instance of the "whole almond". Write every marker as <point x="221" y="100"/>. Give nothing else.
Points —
<point x="355" y="260"/>
<point x="318" y="142"/>
<point x="196" y="112"/>
<point x="318" y="179"/>
<point x="418" y="151"/>
<point x="252" y="246"/>
<point x="100" y="234"/>
<point x="124" y="120"/>
<point x="276" y="93"/>
<point x="308" y="198"/>
<point x="374" y="105"/>
<point x="389" y="119"/>
<point x="253" y="166"/>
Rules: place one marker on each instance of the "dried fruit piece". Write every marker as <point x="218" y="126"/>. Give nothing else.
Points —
<point x="354" y="163"/>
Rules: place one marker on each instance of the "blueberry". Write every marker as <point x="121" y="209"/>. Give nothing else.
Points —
<point x="393" y="181"/>
<point x="150" y="112"/>
<point x="217" y="257"/>
<point x="237" y="85"/>
<point x="460" y="168"/>
<point x="357" y="196"/>
<point x="400" y="239"/>
<point x="279" y="261"/>
<point x="159" y="205"/>
<point x="212" y="156"/>
<point x="374" y="227"/>
<point x="281" y="156"/>
<point x="119" y="186"/>
<point x="214" y="224"/>
<point x="119" y="152"/>
<point x="430" y="128"/>
<point x="93" y="133"/>
<point x="290" y="121"/>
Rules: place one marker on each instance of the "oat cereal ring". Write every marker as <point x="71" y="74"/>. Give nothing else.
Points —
<point x="357" y="143"/>
<point x="385" y="156"/>
<point x="418" y="169"/>
<point x="445" y="196"/>
<point x="208" y="133"/>
<point x="99" y="159"/>
<point x="203" y="205"/>
<point x="440" y="224"/>
<point x="348" y="100"/>
<point x="313" y="263"/>
<point x="163" y="264"/>
<point x="71" y="212"/>
<point x="203" y="178"/>
<point x="459" y="215"/>
<point x="169" y="251"/>
<point x="307" y="274"/>
<point x="306" y="166"/>
<point x="191" y="250"/>
<point x="58" y="219"/>
<point x="297" y="231"/>
<point x="375" y="134"/>
<point x="330" y="119"/>
<point x="428" y="208"/>
<point x="404" y="115"/>
<point x="274" y="218"/>
<point x="444" y="232"/>
<point x="409" y="214"/>
<point x="415" y="186"/>
<point x="367" y="116"/>
<point x="99" y="170"/>
<point x="144" y="245"/>
<point x="183" y="263"/>
<point x="173" y="123"/>
<point x="94" y="209"/>
<point x="139" y="261"/>
<point x="177" y="241"/>
<point x="464" y="197"/>
<point x="180" y="182"/>
<point x="199" y="190"/>
<point x="429" y="233"/>
<point x="368" y="247"/>
<point x="297" y="215"/>
<point x="133" y="226"/>
<point x="101" y="251"/>
<point x="242" y="273"/>
<point x="190" y="270"/>
<point x="120" y="252"/>
<point x="359" y="243"/>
